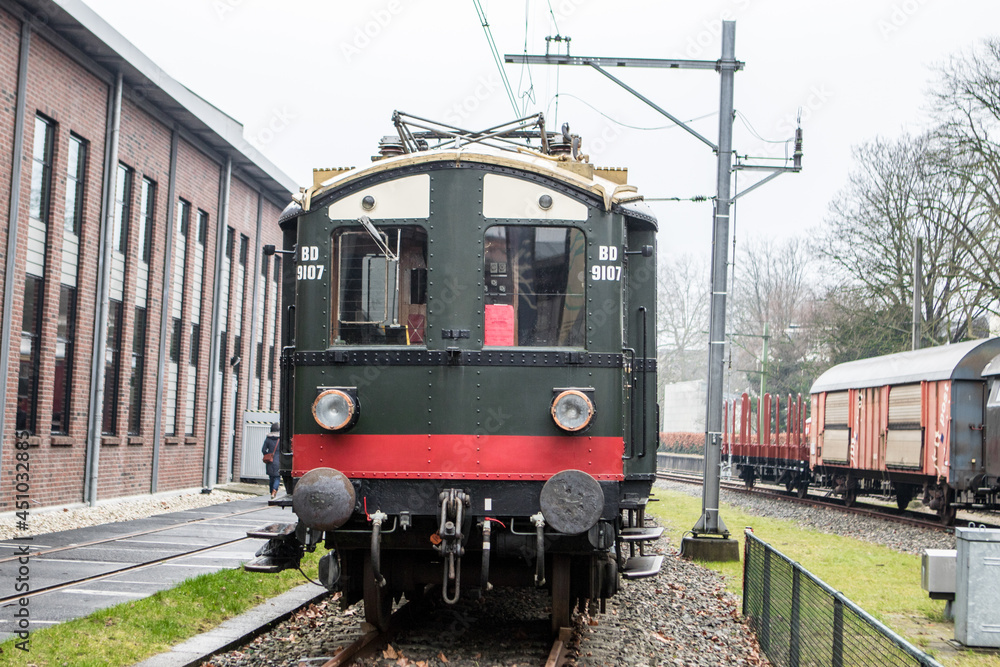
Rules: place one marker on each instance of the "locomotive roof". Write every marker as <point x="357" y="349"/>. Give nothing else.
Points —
<point x="960" y="361"/>
<point x="609" y="192"/>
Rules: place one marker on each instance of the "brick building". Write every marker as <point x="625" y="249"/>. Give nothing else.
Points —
<point x="140" y="318"/>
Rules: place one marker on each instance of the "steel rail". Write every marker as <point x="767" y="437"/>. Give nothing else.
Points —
<point x="868" y="510"/>
<point x="374" y="639"/>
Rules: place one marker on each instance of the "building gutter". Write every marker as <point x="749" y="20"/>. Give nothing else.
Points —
<point x="215" y="378"/>
<point x="15" y="211"/>
<point x="94" y="419"/>
<point x="164" y="309"/>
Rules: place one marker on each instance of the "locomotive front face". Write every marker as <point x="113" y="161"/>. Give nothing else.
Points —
<point x="469" y="332"/>
<point x="459" y="324"/>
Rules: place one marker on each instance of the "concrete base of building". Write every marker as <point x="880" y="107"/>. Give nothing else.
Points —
<point x="715" y="549"/>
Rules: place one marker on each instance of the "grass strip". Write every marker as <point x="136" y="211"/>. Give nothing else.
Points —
<point x="133" y="631"/>
<point x="880" y="580"/>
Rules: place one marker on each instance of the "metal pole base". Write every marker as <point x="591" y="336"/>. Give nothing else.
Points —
<point x="704" y="549"/>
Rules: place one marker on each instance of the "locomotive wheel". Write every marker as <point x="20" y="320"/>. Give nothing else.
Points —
<point x="562" y="610"/>
<point x="378" y="600"/>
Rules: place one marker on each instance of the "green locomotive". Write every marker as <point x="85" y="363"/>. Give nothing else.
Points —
<point x="469" y="377"/>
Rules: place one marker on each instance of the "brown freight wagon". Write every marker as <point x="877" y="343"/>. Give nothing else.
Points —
<point x="910" y="423"/>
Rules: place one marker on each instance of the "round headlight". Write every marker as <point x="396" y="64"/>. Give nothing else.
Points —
<point x="334" y="410"/>
<point x="572" y="410"/>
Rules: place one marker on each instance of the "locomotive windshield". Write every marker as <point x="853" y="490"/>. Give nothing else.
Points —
<point x="534" y="286"/>
<point x="380" y="297"/>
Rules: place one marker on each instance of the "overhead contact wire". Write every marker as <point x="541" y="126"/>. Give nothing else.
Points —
<point x="481" y="13"/>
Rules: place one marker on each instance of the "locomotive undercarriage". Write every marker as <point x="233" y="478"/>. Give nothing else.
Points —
<point x="417" y="545"/>
<point x="568" y="565"/>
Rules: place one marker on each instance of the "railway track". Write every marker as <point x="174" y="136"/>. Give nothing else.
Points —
<point x="110" y="542"/>
<point x="864" y="509"/>
<point x="372" y="641"/>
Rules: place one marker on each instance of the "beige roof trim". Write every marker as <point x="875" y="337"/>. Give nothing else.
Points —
<point x="609" y="192"/>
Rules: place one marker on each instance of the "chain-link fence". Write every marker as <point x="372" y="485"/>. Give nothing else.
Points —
<point x="800" y="621"/>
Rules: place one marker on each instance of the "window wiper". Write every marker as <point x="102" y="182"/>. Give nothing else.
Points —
<point x="366" y="222"/>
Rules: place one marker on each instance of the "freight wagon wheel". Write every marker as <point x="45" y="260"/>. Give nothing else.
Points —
<point x="378" y="600"/>
<point x="947" y="509"/>
<point x="802" y="490"/>
<point x="947" y="515"/>
<point x="561" y="607"/>
<point x="789" y="486"/>
<point x="850" y="497"/>
<point x="904" y="495"/>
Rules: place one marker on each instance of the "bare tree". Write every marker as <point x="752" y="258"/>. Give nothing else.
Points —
<point x="682" y="318"/>
<point x="771" y="286"/>
<point x="966" y="104"/>
<point x="897" y="192"/>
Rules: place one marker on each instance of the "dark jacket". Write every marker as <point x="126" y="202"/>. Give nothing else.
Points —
<point x="271" y="445"/>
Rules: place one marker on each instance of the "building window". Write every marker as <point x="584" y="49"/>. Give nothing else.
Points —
<point x="123" y="208"/>
<point x="172" y="402"/>
<point x="27" y="381"/>
<point x="66" y="326"/>
<point x="138" y="366"/>
<point x="194" y="356"/>
<point x="112" y="364"/>
<point x="227" y="272"/>
<point x="175" y="359"/>
<point x="41" y="170"/>
<point x="75" y="181"/>
<point x="65" y="334"/>
<point x="147" y="205"/>
<point x="31" y="312"/>
<point x="147" y="209"/>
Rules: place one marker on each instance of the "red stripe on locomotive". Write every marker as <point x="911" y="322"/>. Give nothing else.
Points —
<point x="458" y="456"/>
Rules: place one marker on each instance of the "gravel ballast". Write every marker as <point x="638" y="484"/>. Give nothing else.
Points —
<point x="901" y="537"/>
<point x="682" y="617"/>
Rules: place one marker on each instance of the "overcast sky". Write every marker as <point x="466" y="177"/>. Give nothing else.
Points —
<point x="315" y="83"/>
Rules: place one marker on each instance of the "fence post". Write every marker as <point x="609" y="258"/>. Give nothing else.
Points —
<point x="765" y="613"/>
<point x="746" y="561"/>
<point x="838" y="633"/>
<point x="793" y="654"/>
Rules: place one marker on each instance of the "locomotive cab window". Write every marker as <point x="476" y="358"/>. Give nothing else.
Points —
<point x="379" y="285"/>
<point x="534" y="286"/>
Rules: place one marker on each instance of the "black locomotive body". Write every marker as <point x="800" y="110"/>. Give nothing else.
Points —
<point x="468" y="373"/>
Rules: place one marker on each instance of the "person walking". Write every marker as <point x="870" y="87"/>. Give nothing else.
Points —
<point x="270" y="452"/>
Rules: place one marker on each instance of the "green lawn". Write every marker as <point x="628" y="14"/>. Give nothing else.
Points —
<point x="132" y="631"/>
<point x="883" y="582"/>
